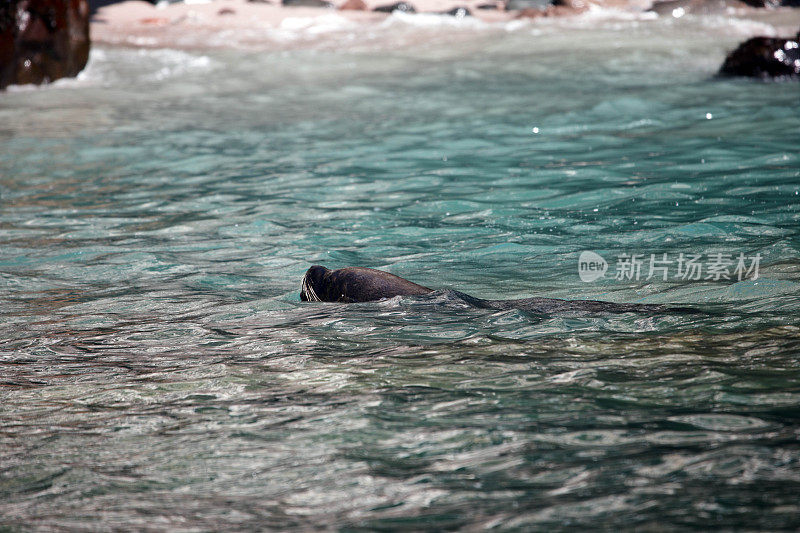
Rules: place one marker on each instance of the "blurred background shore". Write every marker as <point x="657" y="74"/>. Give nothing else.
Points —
<point x="352" y="23"/>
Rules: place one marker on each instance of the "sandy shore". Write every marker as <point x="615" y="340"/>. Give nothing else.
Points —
<point x="244" y="24"/>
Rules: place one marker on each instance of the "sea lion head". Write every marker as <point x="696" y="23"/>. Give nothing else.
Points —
<point x="312" y="288"/>
<point x="354" y="284"/>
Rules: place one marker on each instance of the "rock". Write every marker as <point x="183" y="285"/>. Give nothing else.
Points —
<point x="42" y="40"/>
<point x="457" y="12"/>
<point x="307" y="3"/>
<point x="555" y="10"/>
<point x="519" y="5"/>
<point x="578" y="6"/>
<point x="679" y="8"/>
<point x="764" y="57"/>
<point x="530" y="13"/>
<point x="154" y="21"/>
<point x="94" y="5"/>
<point x="353" y="5"/>
<point x="226" y="11"/>
<point x="487" y="6"/>
<point x="762" y="3"/>
<point x="773" y="3"/>
<point x="403" y="7"/>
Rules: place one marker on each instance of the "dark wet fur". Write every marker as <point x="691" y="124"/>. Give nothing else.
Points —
<point x="359" y="284"/>
<point x="355" y="284"/>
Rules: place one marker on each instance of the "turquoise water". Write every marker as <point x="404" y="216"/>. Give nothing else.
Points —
<point x="159" y="371"/>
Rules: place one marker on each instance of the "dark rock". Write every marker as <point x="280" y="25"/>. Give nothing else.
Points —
<point x="42" y="40"/>
<point x="94" y="5"/>
<point x="773" y="3"/>
<point x="487" y="6"/>
<point x="458" y="12"/>
<point x="762" y="3"/>
<point x="764" y="57"/>
<point x="518" y="5"/>
<point x="578" y="6"/>
<point x="307" y="3"/>
<point x="403" y="7"/>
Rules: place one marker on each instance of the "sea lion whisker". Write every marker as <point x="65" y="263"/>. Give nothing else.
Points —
<point x="309" y="292"/>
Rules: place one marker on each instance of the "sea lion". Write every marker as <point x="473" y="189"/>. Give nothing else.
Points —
<point x="360" y="284"/>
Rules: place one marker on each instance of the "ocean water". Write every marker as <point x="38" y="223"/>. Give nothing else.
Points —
<point x="158" y="370"/>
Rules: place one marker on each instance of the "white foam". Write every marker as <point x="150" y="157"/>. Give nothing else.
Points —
<point x="605" y="13"/>
<point x="23" y="88"/>
<point x="609" y="18"/>
<point x="515" y="25"/>
<point x="174" y="62"/>
<point x="738" y="26"/>
<point x="292" y="28"/>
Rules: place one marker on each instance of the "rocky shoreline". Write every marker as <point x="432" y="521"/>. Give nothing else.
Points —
<point x="43" y="40"/>
<point x="249" y="24"/>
